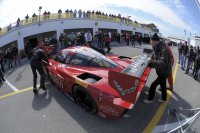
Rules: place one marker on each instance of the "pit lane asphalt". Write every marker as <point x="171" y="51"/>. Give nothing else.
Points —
<point x="53" y="112"/>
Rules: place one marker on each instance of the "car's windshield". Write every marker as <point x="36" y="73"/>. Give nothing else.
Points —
<point x="92" y="58"/>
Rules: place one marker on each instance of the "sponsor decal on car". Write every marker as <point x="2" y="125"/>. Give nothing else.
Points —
<point x="109" y="110"/>
<point x="121" y="90"/>
<point x="81" y="82"/>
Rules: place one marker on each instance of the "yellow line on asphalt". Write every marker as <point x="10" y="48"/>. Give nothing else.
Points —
<point x="161" y="109"/>
<point x="16" y="92"/>
<point x="20" y="91"/>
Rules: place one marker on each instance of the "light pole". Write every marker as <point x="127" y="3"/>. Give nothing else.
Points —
<point x="39" y="10"/>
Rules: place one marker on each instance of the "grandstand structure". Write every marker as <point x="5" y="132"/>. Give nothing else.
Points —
<point x="42" y="26"/>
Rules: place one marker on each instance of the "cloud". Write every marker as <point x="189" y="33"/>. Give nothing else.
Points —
<point x="158" y="9"/>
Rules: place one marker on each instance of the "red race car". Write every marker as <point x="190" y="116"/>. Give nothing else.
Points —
<point x="109" y="85"/>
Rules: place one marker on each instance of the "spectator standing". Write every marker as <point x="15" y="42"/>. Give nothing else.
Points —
<point x="9" y="27"/>
<point x="26" y="17"/>
<point x="100" y="38"/>
<point x="66" y="44"/>
<point x="128" y="37"/>
<point x="27" y="49"/>
<point x="74" y="13"/>
<point x="197" y="66"/>
<point x="140" y="39"/>
<point x="107" y="42"/>
<point x="83" y="14"/>
<point x="15" y="55"/>
<point x="95" y="40"/>
<point x="34" y="17"/>
<point x="88" y="37"/>
<point x="132" y="40"/>
<point x="2" y="62"/>
<point x="118" y="38"/>
<point x="79" y="13"/>
<point x="9" y="57"/>
<point x="48" y="14"/>
<point x="61" y="40"/>
<point x="18" y="22"/>
<point x="54" y="43"/>
<point x="45" y="14"/>
<point x="179" y="52"/>
<point x="190" y="56"/>
<point x="59" y="13"/>
<point x="2" y="79"/>
<point x="184" y="55"/>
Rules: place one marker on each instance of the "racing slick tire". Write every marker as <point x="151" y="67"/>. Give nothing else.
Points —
<point x="85" y="99"/>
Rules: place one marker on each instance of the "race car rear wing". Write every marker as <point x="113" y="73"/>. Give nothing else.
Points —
<point x="130" y="81"/>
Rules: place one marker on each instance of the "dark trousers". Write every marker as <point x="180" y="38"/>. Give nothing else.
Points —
<point x="161" y="80"/>
<point x="1" y="76"/>
<point x="195" y="71"/>
<point x="107" y="44"/>
<point x="2" y="67"/>
<point x="38" y="66"/>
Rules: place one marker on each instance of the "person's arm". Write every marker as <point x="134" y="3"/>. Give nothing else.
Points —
<point x="44" y="57"/>
<point x="163" y="60"/>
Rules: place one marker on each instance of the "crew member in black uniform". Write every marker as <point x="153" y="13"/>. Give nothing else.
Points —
<point x="162" y="63"/>
<point x="36" y="64"/>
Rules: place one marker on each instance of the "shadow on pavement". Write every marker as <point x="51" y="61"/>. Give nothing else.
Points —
<point x="41" y="100"/>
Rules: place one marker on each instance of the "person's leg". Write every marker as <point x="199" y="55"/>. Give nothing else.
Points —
<point x="152" y="89"/>
<point x="2" y="67"/>
<point x="42" y="76"/>
<point x="163" y="88"/>
<point x="196" y="73"/>
<point x="33" y="68"/>
<point x="188" y="67"/>
<point x="109" y="48"/>
<point x="184" y="63"/>
<point x="2" y="76"/>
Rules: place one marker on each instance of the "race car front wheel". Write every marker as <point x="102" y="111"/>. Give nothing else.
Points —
<point x="85" y="99"/>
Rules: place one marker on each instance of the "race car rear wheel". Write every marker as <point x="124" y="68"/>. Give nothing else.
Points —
<point x="85" y="99"/>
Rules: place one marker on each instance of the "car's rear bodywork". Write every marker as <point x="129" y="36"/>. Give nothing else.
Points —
<point x="113" y="82"/>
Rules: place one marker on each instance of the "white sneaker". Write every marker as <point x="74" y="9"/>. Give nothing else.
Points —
<point x="161" y="101"/>
<point x="147" y="101"/>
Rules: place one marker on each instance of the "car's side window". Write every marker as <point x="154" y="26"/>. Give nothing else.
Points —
<point x="61" y="57"/>
<point x="80" y="59"/>
<point x="96" y="62"/>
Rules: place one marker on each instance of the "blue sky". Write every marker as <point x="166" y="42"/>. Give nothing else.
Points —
<point x="170" y="16"/>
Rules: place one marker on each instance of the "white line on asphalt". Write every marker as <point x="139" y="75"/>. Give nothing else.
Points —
<point x="11" y="86"/>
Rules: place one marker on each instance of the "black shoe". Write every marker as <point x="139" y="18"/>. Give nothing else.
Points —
<point x="35" y="91"/>
<point x="3" y="80"/>
<point x="43" y="88"/>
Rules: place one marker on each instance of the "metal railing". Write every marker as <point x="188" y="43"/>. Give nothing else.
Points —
<point x="185" y="127"/>
<point x="92" y="16"/>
